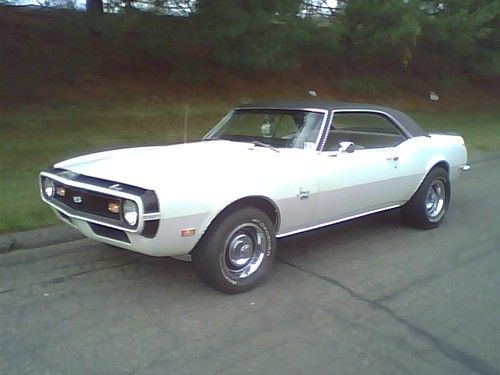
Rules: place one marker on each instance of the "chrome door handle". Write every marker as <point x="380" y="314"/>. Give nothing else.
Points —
<point x="393" y="158"/>
<point x="303" y="194"/>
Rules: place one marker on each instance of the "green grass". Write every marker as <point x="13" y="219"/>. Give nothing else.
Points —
<point x="34" y="138"/>
<point x="480" y="129"/>
<point x="365" y="85"/>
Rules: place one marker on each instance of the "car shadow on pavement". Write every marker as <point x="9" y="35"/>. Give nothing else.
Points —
<point x="87" y="263"/>
<point x="332" y="242"/>
<point x="340" y="238"/>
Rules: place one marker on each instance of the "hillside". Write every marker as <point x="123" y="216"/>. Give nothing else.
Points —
<point x="61" y="56"/>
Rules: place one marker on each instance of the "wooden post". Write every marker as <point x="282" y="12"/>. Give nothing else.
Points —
<point x="186" y="111"/>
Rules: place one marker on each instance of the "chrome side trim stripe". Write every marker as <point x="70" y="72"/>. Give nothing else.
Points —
<point x="335" y="221"/>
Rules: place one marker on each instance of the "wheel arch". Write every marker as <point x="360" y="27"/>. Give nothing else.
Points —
<point x="434" y="163"/>
<point x="414" y="211"/>
<point x="260" y="202"/>
<point x="442" y="163"/>
<point x="263" y="203"/>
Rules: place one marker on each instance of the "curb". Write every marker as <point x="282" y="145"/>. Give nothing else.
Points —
<point x="38" y="238"/>
<point x="64" y="233"/>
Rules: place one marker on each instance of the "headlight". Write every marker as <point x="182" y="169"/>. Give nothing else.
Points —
<point x="130" y="212"/>
<point x="48" y="187"/>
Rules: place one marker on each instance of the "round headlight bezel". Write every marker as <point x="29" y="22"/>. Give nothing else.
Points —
<point x="48" y="187"/>
<point x="130" y="212"/>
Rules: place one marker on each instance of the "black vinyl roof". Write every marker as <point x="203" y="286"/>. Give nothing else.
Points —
<point x="410" y="127"/>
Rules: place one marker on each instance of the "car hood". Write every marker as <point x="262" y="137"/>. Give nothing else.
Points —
<point x="150" y="167"/>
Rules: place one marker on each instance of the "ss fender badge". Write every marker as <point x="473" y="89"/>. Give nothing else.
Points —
<point x="77" y="199"/>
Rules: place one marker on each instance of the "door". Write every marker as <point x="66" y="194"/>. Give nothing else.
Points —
<point x="364" y="178"/>
<point x="297" y="190"/>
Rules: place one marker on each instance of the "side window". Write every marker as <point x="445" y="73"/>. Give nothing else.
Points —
<point x="365" y="130"/>
<point x="364" y="122"/>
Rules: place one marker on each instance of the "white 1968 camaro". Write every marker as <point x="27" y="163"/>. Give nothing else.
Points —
<point x="265" y="171"/>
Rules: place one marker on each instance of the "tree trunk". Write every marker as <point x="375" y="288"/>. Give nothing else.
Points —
<point x="95" y="6"/>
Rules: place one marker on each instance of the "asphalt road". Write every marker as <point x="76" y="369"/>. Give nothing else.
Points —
<point x="366" y="297"/>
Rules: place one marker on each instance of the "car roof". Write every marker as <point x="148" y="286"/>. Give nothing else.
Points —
<point x="409" y="125"/>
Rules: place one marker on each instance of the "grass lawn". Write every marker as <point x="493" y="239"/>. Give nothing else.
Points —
<point x="36" y="137"/>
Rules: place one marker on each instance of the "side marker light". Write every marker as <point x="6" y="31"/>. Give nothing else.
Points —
<point x="188" y="232"/>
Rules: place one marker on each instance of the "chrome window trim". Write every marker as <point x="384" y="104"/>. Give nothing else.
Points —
<point x="325" y="132"/>
<point x="142" y="216"/>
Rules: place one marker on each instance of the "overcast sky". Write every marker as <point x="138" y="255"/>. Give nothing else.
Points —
<point x="80" y="4"/>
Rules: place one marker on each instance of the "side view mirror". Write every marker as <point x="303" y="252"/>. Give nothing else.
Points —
<point x="266" y="130"/>
<point x="346" y="147"/>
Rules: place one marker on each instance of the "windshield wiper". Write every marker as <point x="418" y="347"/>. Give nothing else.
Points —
<point x="266" y="145"/>
<point x="211" y="139"/>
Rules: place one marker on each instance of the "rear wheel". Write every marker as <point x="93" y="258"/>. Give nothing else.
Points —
<point x="237" y="251"/>
<point x="427" y="208"/>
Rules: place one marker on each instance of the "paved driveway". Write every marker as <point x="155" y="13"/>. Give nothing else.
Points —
<point x="370" y="296"/>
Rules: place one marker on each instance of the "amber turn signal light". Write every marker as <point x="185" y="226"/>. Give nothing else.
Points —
<point x="114" y="207"/>
<point x="60" y="191"/>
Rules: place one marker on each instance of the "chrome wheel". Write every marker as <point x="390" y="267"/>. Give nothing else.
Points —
<point x="244" y="251"/>
<point x="435" y="200"/>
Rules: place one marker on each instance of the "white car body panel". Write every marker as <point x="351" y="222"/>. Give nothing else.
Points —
<point x="195" y="182"/>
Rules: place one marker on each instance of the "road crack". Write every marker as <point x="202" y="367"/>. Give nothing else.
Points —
<point x="68" y="277"/>
<point x="434" y="276"/>
<point x="453" y="353"/>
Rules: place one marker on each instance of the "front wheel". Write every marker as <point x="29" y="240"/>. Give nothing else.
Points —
<point x="427" y="208"/>
<point x="237" y="251"/>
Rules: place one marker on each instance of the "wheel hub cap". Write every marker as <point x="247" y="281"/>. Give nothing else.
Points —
<point x="240" y="250"/>
<point x="435" y="199"/>
<point x="244" y="252"/>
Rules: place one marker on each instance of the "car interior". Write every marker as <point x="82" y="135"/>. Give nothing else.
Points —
<point x="365" y="131"/>
<point x="361" y="139"/>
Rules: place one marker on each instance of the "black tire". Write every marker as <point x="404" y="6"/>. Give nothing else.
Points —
<point x="231" y="239"/>
<point x="427" y="208"/>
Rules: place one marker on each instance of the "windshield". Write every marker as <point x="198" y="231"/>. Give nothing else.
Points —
<point x="277" y="128"/>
